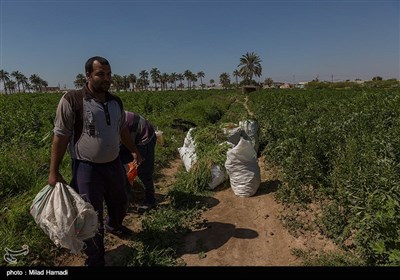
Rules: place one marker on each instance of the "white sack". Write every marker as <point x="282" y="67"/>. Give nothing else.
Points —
<point x="243" y="170"/>
<point x="187" y="152"/>
<point x="233" y="134"/>
<point x="250" y="129"/>
<point x="188" y="156"/>
<point x="218" y="176"/>
<point x="188" y="142"/>
<point x="64" y="216"/>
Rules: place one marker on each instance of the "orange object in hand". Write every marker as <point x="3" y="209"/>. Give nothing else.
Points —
<point x="132" y="171"/>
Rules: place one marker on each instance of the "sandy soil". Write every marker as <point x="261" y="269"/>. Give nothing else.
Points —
<point x="248" y="231"/>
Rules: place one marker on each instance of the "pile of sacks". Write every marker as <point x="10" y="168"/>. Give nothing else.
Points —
<point x="241" y="165"/>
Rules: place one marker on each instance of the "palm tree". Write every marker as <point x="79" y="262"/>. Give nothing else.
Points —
<point x="201" y="75"/>
<point x="5" y="77"/>
<point x="132" y="80"/>
<point x="180" y="77"/>
<point x="143" y="79"/>
<point x="155" y="76"/>
<point x="125" y="82"/>
<point x="11" y="86"/>
<point x="18" y="78"/>
<point x="24" y="83"/>
<point x="164" y="80"/>
<point x="117" y="82"/>
<point x="43" y="84"/>
<point x="193" y="78"/>
<point x="250" y="66"/>
<point x="173" y="77"/>
<point x="224" y="79"/>
<point x="35" y="81"/>
<point x="236" y="74"/>
<point x="188" y="75"/>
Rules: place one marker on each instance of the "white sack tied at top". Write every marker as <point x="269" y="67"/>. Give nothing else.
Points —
<point x="243" y="170"/>
<point x="187" y="152"/>
<point x="64" y="216"/>
<point x="250" y="132"/>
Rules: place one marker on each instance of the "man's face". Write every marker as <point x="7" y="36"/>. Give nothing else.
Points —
<point x="100" y="79"/>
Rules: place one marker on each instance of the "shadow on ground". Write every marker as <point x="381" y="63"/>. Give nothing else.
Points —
<point x="215" y="235"/>
<point x="117" y="256"/>
<point x="268" y="187"/>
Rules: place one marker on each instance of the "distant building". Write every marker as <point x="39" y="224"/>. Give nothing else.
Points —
<point x="285" y="85"/>
<point x="247" y="89"/>
<point x="51" y="89"/>
<point x="301" y="85"/>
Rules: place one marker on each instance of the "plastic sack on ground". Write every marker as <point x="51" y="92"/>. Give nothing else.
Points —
<point x="188" y="156"/>
<point x="218" y="176"/>
<point x="232" y="132"/>
<point x="243" y="170"/>
<point x="64" y="216"/>
<point x="250" y="132"/>
<point x="188" y="142"/>
<point x="188" y="152"/>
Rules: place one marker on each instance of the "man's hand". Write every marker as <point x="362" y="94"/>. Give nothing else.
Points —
<point x="54" y="178"/>
<point x="138" y="158"/>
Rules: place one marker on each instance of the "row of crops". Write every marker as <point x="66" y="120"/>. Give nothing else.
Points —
<point x="340" y="149"/>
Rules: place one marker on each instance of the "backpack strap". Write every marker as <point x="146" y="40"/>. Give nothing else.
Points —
<point x="78" y="109"/>
<point x="75" y="99"/>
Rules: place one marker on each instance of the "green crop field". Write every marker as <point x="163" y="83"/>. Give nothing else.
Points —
<point x="337" y="148"/>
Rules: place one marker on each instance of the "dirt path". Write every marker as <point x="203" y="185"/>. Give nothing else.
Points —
<point x="246" y="100"/>
<point x="248" y="231"/>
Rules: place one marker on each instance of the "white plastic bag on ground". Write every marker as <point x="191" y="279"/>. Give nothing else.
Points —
<point x="243" y="170"/>
<point x="64" y="216"/>
<point x="188" y="156"/>
<point x="232" y="132"/>
<point x="218" y="176"/>
<point x="188" y="142"/>
<point x="187" y="152"/>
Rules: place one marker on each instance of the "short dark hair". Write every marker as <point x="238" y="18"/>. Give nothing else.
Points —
<point x="89" y="63"/>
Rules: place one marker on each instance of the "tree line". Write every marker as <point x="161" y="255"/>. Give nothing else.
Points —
<point x="21" y="82"/>
<point x="249" y="67"/>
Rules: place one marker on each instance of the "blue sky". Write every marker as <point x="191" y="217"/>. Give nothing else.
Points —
<point x="296" y="40"/>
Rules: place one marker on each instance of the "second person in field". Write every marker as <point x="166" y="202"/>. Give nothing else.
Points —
<point x="143" y="135"/>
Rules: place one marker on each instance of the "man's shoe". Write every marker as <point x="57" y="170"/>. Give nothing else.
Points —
<point x="151" y="202"/>
<point x="147" y="207"/>
<point x="121" y="231"/>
